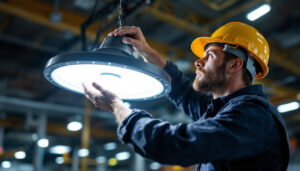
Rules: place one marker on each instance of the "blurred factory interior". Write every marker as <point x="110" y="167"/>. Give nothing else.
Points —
<point x="43" y="127"/>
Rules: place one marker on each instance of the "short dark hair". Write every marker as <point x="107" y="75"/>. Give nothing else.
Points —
<point x="246" y="76"/>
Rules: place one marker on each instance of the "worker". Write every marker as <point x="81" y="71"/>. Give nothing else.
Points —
<point x="234" y="125"/>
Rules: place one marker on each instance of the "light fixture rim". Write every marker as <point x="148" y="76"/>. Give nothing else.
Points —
<point x="102" y="58"/>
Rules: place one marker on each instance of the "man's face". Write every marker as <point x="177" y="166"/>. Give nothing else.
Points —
<point x="210" y="72"/>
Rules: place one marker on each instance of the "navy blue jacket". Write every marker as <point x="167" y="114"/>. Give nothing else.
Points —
<point x="240" y="131"/>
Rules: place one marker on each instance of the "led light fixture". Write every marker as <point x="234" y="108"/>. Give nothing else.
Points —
<point x="59" y="160"/>
<point x="112" y="66"/>
<point x="20" y="155"/>
<point x="110" y="146"/>
<point x="43" y="143"/>
<point x="257" y="13"/>
<point x="123" y="155"/>
<point x="60" y="149"/>
<point x="288" y="107"/>
<point x="83" y="152"/>
<point x="5" y="164"/>
<point x="74" y="126"/>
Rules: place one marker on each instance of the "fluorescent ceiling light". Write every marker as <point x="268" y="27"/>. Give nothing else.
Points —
<point x="83" y="152"/>
<point x="110" y="146"/>
<point x="257" y="13"/>
<point x="101" y="159"/>
<point x="113" y="67"/>
<point x="60" y="149"/>
<point x="74" y="126"/>
<point x="154" y="166"/>
<point x="6" y="164"/>
<point x="288" y="107"/>
<point x="123" y="155"/>
<point x="59" y="160"/>
<point x="20" y="155"/>
<point x="43" y="143"/>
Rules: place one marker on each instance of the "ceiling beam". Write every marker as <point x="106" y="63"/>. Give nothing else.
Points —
<point x="246" y="6"/>
<point x="283" y="58"/>
<point x="282" y="93"/>
<point x="40" y="12"/>
<point x="177" y="22"/>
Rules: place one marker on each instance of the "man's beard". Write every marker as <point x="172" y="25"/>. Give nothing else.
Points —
<point x="210" y="80"/>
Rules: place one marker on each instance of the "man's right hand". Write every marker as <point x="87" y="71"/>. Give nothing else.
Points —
<point x="136" y="38"/>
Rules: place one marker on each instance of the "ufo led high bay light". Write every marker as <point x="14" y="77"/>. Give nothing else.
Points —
<point x="114" y="67"/>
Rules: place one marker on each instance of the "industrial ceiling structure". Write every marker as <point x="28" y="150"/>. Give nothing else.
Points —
<point x="32" y="109"/>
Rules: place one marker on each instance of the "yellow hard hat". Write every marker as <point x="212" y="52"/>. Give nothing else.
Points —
<point x="243" y="35"/>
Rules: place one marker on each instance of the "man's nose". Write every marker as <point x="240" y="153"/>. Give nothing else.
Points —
<point x="199" y="63"/>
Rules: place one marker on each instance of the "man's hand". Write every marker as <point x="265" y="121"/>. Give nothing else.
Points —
<point x="136" y="38"/>
<point x="106" y="100"/>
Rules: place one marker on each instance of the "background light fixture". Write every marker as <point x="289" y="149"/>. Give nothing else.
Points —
<point x="20" y="155"/>
<point x="74" y="126"/>
<point x="83" y="152"/>
<point x="155" y="166"/>
<point x="258" y="12"/>
<point x="123" y="155"/>
<point x="110" y="146"/>
<point x="59" y="160"/>
<point x="43" y="143"/>
<point x="283" y="108"/>
<point x="5" y="164"/>
<point x="60" y="149"/>
<point x="114" y="67"/>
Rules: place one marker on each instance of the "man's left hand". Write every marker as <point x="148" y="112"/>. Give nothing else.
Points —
<point x="106" y="100"/>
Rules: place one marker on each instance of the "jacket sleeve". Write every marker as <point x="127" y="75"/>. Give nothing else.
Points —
<point x="236" y="132"/>
<point x="183" y="96"/>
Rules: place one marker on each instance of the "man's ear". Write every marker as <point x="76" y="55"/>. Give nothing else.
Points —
<point x="235" y="65"/>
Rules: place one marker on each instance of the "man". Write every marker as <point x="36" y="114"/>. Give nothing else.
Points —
<point x="235" y="127"/>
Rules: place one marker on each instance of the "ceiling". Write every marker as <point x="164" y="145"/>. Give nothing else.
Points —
<point x="33" y="31"/>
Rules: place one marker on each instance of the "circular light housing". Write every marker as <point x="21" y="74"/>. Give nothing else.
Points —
<point x="113" y="67"/>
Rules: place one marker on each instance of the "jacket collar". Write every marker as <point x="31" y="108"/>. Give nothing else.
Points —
<point x="256" y="89"/>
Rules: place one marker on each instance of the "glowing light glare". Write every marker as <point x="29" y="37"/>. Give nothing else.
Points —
<point x="101" y="159"/>
<point x="60" y="149"/>
<point x="112" y="162"/>
<point x="20" y="155"/>
<point x="288" y="107"/>
<point x="74" y="126"/>
<point x="83" y="152"/>
<point x="120" y="81"/>
<point x="43" y="143"/>
<point x="155" y="166"/>
<point x="110" y="146"/>
<point x="127" y="104"/>
<point x="59" y="160"/>
<point x="257" y="13"/>
<point x="6" y="164"/>
<point x="123" y="156"/>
